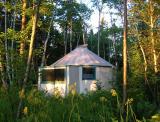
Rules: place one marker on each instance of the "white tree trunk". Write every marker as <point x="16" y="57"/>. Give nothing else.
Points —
<point x="70" y="32"/>
<point x="152" y="36"/>
<point x="65" y="40"/>
<point x="6" y="49"/>
<point x="12" y="44"/>
<point x="99" y="24"/>
<point x="5" y="85"/>
<point x="46" y="42"/>
<point x="22" y="44"/>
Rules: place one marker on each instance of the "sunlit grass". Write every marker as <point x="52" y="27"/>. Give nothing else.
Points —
<point x="98" y="106"/>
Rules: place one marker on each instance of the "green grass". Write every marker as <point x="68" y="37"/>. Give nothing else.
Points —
<point x="99" y="106"/>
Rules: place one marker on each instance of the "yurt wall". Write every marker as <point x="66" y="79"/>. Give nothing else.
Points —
<point x="104" y="74"/>
<point x="74" y="78"/>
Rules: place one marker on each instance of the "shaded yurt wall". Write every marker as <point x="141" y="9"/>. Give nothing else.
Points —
<point x="52" y="80"/>
<point x="88" y="81"/>
<point x="87" y="85"/>
<point x="103" y="75"/>
<point x="74" y="78"/>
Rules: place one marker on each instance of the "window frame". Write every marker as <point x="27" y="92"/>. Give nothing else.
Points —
<point x="90" y="68"/>
<point x="46" y="79"/>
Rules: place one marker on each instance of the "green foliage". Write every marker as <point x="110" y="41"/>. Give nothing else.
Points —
<point x="106" y="43"/>
<point x="143" y="78"/>
<point x="8" y="104"/>
<point x="93" y="106"/>
<point x="144" y="109"/>
<point x="135" y="60"/>
<point x="71" y="108"/>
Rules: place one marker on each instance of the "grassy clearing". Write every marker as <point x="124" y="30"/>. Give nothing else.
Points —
<point x="99" y="106"/>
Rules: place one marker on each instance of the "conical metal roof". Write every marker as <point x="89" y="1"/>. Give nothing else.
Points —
<point x="81" y="56"/>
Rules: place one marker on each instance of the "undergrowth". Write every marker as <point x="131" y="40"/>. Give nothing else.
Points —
<point x="99" y="106"/>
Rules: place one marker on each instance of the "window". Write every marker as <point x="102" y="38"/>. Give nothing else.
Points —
<point x="89" y="73"/>
<point x="52" y="75"/>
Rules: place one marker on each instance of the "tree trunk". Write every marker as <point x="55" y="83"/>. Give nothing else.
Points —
<point x="78" y="39"/>
<point x="70" y="32"/>
<point x="145" y="62"/>
<point x="6" y="49"/>
<point x="125" y="54"/>
<point x="152" y="36"/>
<point x="109" y="49"/>
<point x="12" y="43"/>
<point x="145" y="69"/>
<point x="99" y="17"/>
<point x="91" y="41"/>
<point x="5" y="85"/>
<point x="65" y="40"/>
<point x="153" y="43"/>
<point x="13" y="25"/>
<point x="115" y="51"/>
<point x="114" y="43"/>
<point x="22" y="44"/>
<point x="84" y="40"/>
<point x="34" y="21"/>
<point x="46" y="42"/>
<point x="104" y="51"/>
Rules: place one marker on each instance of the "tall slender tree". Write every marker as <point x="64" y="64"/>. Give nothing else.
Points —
<point x="152" y="21"/>
<point x="125" y="54"/>
<point x="99" y="4"/>
<point x="6" y="47"/>
<point x="46" y="42"/>
<point x="144" y="16"/>
<point x="23" y="23"/>
<point x="114" y="41"/>
<point x="71" y="16"/>
<point x="36" y="5"/>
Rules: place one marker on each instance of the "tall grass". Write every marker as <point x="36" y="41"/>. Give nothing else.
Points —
<point x="99" y="106"/>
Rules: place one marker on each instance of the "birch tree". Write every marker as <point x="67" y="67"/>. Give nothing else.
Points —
<point x="23" y="23"/>
<point x="152" y="21"/>
<point x="6" y="47"/>
<point x="99" y="4"/>
<point x="46" y="42"/>
<point x="144" y="18"/>
<point x="36" y="5"/>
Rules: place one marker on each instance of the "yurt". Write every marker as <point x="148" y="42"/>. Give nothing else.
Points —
<point x="80" y="70"/>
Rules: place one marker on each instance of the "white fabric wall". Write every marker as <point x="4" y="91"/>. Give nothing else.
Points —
<point x="87" y="85"/>
<point x="104" y="75"/>
<point x="74" y="77"/>
<point x="57" y="88"/>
